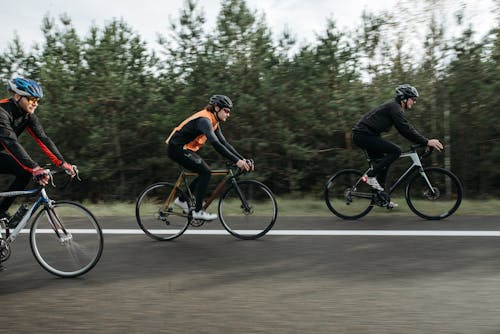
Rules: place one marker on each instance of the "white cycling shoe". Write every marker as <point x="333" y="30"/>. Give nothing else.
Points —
<point x="372" y="182"/>
<point x="203" y="215"/>
<point x="183" y="205"/>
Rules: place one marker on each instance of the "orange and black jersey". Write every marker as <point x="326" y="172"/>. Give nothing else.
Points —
<point x="13" y="121"/>
<point x="193" y="132"/>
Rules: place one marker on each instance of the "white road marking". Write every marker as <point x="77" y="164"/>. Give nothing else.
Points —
<point x="424" y="233"/>
<point x="411" y="233"/>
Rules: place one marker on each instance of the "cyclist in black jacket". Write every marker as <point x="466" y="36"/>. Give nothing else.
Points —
<point x="16" y="115"/>
<point x="367" y="133"/>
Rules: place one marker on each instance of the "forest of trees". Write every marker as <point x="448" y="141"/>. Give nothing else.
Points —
<point x="110" y="100"/>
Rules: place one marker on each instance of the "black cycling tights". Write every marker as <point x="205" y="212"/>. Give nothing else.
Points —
<point x="9" y="166"/>
<point x="382" y="153"/>
<point x="192" y="162"/>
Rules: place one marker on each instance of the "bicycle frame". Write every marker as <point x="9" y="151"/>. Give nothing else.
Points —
<point x="416" y="165"/>
<point x="182" y="179"/>
<point x="43" y="199"/>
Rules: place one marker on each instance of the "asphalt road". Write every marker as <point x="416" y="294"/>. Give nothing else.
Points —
<point x="278" y="284"/>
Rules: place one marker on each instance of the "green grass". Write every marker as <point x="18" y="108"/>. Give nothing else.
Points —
<point x="309" y="206"/>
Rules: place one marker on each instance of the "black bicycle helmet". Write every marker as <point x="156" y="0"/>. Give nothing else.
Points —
<point x="222" y="101"/>
<point x="406" y="91"/>
<point x="25" y="87"/>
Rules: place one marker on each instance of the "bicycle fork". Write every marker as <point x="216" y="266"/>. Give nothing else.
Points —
<point x="57" y="226"/>
<point x="244" y="203"/>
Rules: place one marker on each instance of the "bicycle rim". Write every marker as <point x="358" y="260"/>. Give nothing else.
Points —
<point x="343" y="195"/>
<point x="159" y="219"/>
<point x="439" y="202"/>
<point x="66" y="240"/>
<point x="254" y="216"/>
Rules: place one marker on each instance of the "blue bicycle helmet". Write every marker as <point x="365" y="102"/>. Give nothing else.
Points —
<point x="25" y="87"/>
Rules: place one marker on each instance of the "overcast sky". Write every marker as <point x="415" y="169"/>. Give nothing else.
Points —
<point x="303" y="18"/>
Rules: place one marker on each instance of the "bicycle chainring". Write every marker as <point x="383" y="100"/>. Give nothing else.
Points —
<point x="382" y="199"/>
<point x="197" y="222"/>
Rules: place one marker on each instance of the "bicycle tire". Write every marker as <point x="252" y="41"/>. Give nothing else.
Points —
<point x="448" y="192"/>
<point x="79" y="245"/>
<point x="340" y="195"/>
<point x="157" y="222"/>
<point x="251" y="221"/>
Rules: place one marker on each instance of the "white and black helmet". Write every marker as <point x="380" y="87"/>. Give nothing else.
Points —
<point x="406" y="91"/>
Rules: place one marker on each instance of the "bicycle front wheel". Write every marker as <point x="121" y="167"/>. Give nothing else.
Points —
<point x="156" y="213"/>
<point x="435" y="194"/>
<point x="66" y="239"/>
<point x="347" y="196"/>
<point x="248" y="209"/>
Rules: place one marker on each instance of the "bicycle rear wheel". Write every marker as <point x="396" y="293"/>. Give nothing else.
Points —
<point x="157" y="218"/>
<point x="248" y="210"/>
<point x="438" y="202"/>
<point x="346" y="196"/>
<point x="66" y="239"/>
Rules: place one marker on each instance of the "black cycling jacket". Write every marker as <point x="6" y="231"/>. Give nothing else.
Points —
<point x="383" y="117"/>
<point x="13" y="121"/>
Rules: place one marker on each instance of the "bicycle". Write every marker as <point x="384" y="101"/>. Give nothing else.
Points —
<point x="247" y="208"/>
<point x="65" y="237"/>
<point x="432" y="193"/>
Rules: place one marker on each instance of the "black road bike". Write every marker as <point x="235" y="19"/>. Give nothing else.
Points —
<point x="432" y="193"/>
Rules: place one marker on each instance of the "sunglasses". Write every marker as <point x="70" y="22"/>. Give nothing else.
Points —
<point x="32" y="99"/>
<point x="226" y="110"/>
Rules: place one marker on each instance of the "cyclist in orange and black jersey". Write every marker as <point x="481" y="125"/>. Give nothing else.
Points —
<point x="187" y="138"/>
<point x="17" y="115"/>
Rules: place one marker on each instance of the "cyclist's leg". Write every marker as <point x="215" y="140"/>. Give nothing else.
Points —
<point x="381" y="151"/>
<point x="22" y="178"/>
<point x="193" y="162"/>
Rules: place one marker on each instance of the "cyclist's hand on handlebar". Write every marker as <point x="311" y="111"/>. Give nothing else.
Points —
<point x="69" y="169"/>
<point x="251" y="163"/>
<point x="41" y="175"/>
<point x="435" y="143"/>
<point x="244" y="165"/>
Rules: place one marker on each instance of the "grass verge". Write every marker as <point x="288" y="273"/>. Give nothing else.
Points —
<point x="309" y="206"/>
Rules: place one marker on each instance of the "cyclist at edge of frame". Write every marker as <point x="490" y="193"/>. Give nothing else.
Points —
<point x="17" y="114"/>
<point x="190" y="135"/>
<point x="366" y="134"/>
